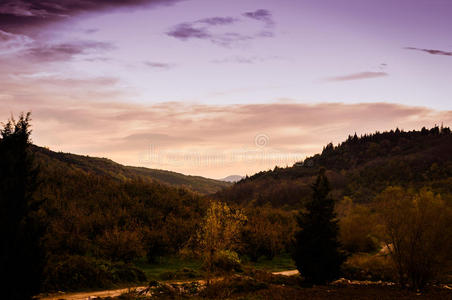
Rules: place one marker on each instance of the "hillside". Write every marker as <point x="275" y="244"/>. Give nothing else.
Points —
<point x="109" y="168"/>
<point x="360" y="168"/>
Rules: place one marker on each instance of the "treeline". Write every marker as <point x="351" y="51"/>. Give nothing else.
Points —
<point x="110" y="169"/>
<point x="360" y="168"/>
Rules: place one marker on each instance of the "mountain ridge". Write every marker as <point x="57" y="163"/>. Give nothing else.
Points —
<point x="110" y="168"/>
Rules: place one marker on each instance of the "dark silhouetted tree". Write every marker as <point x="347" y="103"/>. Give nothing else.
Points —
<point x="20" y="262"/>
<point x="317" y="251"/>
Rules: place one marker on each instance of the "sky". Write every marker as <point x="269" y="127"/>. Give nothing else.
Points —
<point x="214" y="88"/>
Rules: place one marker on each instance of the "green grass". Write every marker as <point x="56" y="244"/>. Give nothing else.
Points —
<point x="164" y="265"/>
<point x="281" y="262"/>
<point x="173" y="266"/>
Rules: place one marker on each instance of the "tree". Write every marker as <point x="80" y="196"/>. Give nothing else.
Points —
<point x="317" y="252"/>
<point x="267" y="232"/>
<point x="418" y="228"/>
<point x="358" y="227"/>
<point x="20" y="260"/>
<point x="118" y="244"/>
<point x="219" y="234"/>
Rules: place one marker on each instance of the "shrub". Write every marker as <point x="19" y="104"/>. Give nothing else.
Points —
<point x="127" y="273"/>
<point x="76" y="272"/>
<point x="120" y="245"/>
<point x="363" y="266"/>
<point x="418" y="228"/>
<point x="358" y="230"/>
<point x="227" y="261"/>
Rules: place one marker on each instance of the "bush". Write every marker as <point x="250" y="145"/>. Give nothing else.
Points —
<point x="79" y="272"/>
<point x="127" y="273"/>
<point x="362" y="266"/>
<point x="227" y="261"/>
<point x="268" y="232"/>
<point x="358" y="230"/>
<point x="120" y="245"/>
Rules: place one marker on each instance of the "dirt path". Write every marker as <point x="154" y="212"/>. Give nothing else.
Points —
<point x="286" y="273"/>
<point x="117" y="292"/>
<point x="90" y="295"/>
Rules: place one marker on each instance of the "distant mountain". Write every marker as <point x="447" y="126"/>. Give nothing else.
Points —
<point x="360" y="168"/>
<point x="232" y="178"/>
<point x="109" y="168"/>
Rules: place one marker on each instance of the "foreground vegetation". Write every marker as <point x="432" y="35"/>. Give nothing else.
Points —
<point x="263" y="285"/>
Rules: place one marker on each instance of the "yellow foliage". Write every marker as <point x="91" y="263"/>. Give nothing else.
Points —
<point x="219" y="232"/>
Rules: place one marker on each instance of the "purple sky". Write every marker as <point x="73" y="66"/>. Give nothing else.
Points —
<point x="193" y="85"/>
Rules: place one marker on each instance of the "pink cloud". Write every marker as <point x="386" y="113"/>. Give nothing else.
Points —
<point x="358" y="76"/>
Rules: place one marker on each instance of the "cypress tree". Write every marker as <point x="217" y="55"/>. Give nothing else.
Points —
<point x="317" y="250"/>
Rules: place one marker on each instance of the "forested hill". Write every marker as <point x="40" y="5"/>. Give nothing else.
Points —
<point x="106" y="167"/>
<point x="360" y="168"/>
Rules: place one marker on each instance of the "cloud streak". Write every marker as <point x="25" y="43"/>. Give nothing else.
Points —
<point x="158" y="65"/>
<point x="203" y="29"/>
<point x="431" y="51"/>
<point x="20" y="14"/>
<point x="358" y="76"/>
<point x="10" y="43"/>
<point x="245" y="59"/>
<point x="185" y="31"/>
<point x="65" y="51"/>
<point x="218" y="21"/>
<point x="262" y="15"/>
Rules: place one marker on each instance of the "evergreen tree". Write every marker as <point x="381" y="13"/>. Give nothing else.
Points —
<point x="317" y="254"/>
<point x="20" y="263"/>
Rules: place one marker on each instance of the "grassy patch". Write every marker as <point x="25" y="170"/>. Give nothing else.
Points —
<point x="173" y="267"/>
<point x="281" y="262"/>
<point x="177" y="268"/>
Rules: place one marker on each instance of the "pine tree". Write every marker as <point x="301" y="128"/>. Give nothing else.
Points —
<point x="317" y="251"/>
<point x="20" y="263"/>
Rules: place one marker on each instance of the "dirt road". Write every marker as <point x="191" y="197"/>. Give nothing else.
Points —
<point x="117" y="292"/>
